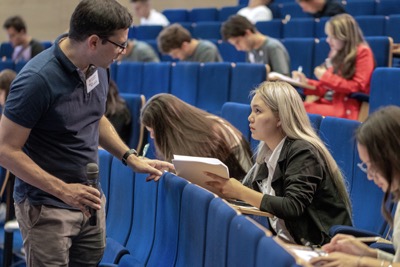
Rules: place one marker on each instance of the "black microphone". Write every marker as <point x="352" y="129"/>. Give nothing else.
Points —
<point x="92" y="174"/>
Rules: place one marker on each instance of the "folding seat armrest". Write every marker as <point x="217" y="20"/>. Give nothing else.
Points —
<point x="350" y="230"/>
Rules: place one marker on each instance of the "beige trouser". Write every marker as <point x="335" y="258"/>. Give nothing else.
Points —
<point x="60" y="237"/>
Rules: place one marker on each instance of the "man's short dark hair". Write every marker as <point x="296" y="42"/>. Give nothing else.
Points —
<point x="15" y="22"/>
<point x="172" y="37"/>
<point x="236" y="26"/>
<point x="99" y="17"/>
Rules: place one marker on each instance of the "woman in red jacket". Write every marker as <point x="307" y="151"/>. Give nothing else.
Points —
<point x="347" y="70"/>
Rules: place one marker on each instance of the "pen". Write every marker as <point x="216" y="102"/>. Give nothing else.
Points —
<point x="145" y="148"/>
<point x="300" y="69"/>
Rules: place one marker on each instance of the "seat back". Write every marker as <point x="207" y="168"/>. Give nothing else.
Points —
<point x="245" y="77"/>
<point x="237" y="114"/>
<point x="135" y="103"/>
<point x="193" y="226"/>
<point x="219" y="218"/>
<point x="142" y="232"/>
<point x="176" y="15"/>
<point x="387" y="7"/>
<point x="164" y="250"/>
<point x="129" y="77"/>
<point x="299" y="27"/>
<point x="226" y="11"/>
<point x="293" y="10"/>
<point x="244" y="236"/>
<point x="385" y="88"/>
<point x="305" y="58"/>
<point x="184" y="81"/>
<point x="151" y="86"/>
<point x="273" y="28"/>
<point x="229" y="53"/>
<point x="269" y="250"/>
<point x="203" y="14"/>
<point x="338" y="135"/>
<point x="381" y="46"/>
<point x="361" y="7"/>
<point x="207" y="30"/>
<point x="372" y="25"/>
<point x="213" y="88"/>
<point x="6" y="50"/>
<point x="105" y="160"/>
<point x="392" y="28"/>
<point x="120" y="202"/>
<point x="148" y="32"/>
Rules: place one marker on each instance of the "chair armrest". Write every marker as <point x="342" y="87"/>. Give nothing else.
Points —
<point x="113" y="252"/>
<point x="360" y="97"/>
<point x="350" y="230"/>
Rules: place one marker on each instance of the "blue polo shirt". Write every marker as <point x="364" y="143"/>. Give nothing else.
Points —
<point x="51" y="97"/>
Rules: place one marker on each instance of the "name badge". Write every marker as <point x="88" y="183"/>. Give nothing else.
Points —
<point x="92" y="81"/>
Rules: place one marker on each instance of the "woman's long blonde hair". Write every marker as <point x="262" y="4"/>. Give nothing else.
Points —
<point x="345" y="28"/>
<point x="285" y="102"/>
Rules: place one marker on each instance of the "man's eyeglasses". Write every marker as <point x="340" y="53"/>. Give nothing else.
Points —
<point x="121" y="47"/>
<point x="369" y="171"/>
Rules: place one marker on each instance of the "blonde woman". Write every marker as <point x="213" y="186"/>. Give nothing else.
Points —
<point x="348" y="69"/>
<point x="295" y="177"/>
<point x="180" y="128"/>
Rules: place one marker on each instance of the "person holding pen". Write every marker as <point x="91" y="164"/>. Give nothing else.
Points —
<point x="379" y="148"/>
<point x="295" y="177"/>
<point x="348" y="70"/>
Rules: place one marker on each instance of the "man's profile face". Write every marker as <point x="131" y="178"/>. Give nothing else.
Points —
<point x="16" y="38"/>
<point x="240" y="43"/>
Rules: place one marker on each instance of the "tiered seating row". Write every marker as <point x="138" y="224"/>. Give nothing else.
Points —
<point x="281" y="10"/>
<point x="372" y="25"/>
<point x="160" y="227"/>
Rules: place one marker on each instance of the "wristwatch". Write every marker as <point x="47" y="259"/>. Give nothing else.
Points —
<point x="127" y="154"/>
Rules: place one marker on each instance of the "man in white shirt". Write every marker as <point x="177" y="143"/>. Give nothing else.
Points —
<point x="147" y="15"/>
<point x="256" y="10"/>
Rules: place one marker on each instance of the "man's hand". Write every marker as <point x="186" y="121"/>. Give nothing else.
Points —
<point x="154" y="167"/>
<point x="81" y="196"/>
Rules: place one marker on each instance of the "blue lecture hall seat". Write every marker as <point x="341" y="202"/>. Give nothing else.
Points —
<point x="120" y="210"/>
<point x="176" y="15"/>
<point x="152" y="86"/>
<point x="213" y="87"/>
<point x="229" y="53"/>
<point x="203" y="14"/>
<point x="207" y="30"/>
<point x="244" y="236"/>
<point x="193" y="222"/>
<point x="244" y="78"/>
<point x="299" y="27"/>
<point x="272" y="28"/>
<point x="184" y="81"/>
<point x="147" y="32"/>
<point x="129" y="77"/>
<point x="105" y="159"/>
<point x="305" y="58"/>
<point x="167" y="223"/>
<point x="219" y="214"/>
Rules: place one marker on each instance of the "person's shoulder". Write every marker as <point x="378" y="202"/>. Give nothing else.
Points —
<point x="299" y="145"/>
<point x="364" y="49"/>
<point x="207" y="44"/>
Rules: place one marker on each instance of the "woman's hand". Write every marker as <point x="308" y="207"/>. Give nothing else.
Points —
<point x="299" y="76"/>
<point x="349" y="245"/>
<point x="336" y="259"/>
<point x="228" y="188"/>
<point x="319" y="71"/>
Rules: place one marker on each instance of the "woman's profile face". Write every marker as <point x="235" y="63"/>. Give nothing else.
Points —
<point x="372" y="173"/>
<point x="334" y="43"/>
<point x="263" y="122"/>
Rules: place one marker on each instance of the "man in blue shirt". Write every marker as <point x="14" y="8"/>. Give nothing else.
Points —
<point x="52" y="125"/>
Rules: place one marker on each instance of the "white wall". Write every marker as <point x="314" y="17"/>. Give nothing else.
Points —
<point x="46" y="19"/>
